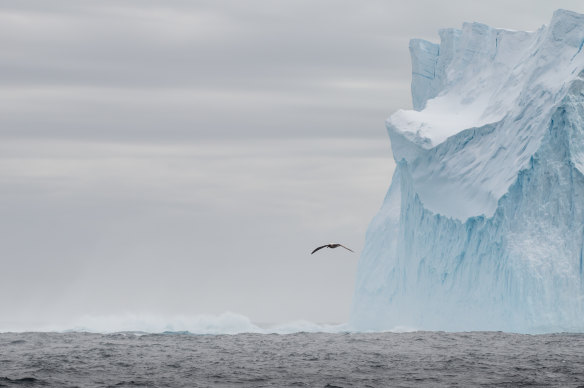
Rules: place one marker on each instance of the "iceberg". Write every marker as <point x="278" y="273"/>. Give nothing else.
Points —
<point x="226" y="323"/>
<point x="482" y="227"/>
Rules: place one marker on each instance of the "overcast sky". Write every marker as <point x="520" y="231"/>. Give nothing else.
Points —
<point x="184" y="157"/>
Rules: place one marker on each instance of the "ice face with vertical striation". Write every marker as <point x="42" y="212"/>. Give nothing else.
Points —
<point x="483" y="225"/>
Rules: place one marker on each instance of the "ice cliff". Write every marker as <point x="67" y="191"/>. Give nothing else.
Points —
<point x="483" y="224"/>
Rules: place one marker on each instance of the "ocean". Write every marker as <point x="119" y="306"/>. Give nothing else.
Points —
<point x="416" y="359"/>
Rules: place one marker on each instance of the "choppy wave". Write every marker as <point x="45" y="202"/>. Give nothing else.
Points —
<point x="421" y="359"/>
<point x="226" y="323"/>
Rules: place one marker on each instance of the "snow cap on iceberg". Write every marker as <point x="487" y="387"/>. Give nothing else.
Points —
<point x="481" y="82"/>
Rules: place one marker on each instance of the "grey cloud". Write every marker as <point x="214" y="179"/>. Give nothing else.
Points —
<point x="112" y="228"/>
<point x="184" y="156"/>
<point x="277" y="67"/>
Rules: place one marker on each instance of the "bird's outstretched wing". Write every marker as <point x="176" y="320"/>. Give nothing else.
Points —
<point x="347" y="248"/>
<point x="324" y="246"/>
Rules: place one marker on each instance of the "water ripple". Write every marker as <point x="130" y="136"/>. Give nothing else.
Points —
<point x="421" y="359"/>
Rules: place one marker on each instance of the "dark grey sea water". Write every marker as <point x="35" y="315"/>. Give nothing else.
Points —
<point x="294" y="360"/>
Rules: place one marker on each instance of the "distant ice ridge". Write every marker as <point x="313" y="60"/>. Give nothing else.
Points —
<point x="207" y="324"/>
<point x="483" y="225"/>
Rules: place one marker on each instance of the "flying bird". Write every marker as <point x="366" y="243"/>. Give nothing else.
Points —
<point x="332" y="246"/>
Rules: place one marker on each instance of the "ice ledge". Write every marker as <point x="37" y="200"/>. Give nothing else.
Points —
<point x="478" y="75"/>
<point x="424" y="55"/>
<point x="430" y="61"/>
<point x="567" y="26"/>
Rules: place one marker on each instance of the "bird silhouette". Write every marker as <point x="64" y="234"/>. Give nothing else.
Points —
<point x="332" y="246"/>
